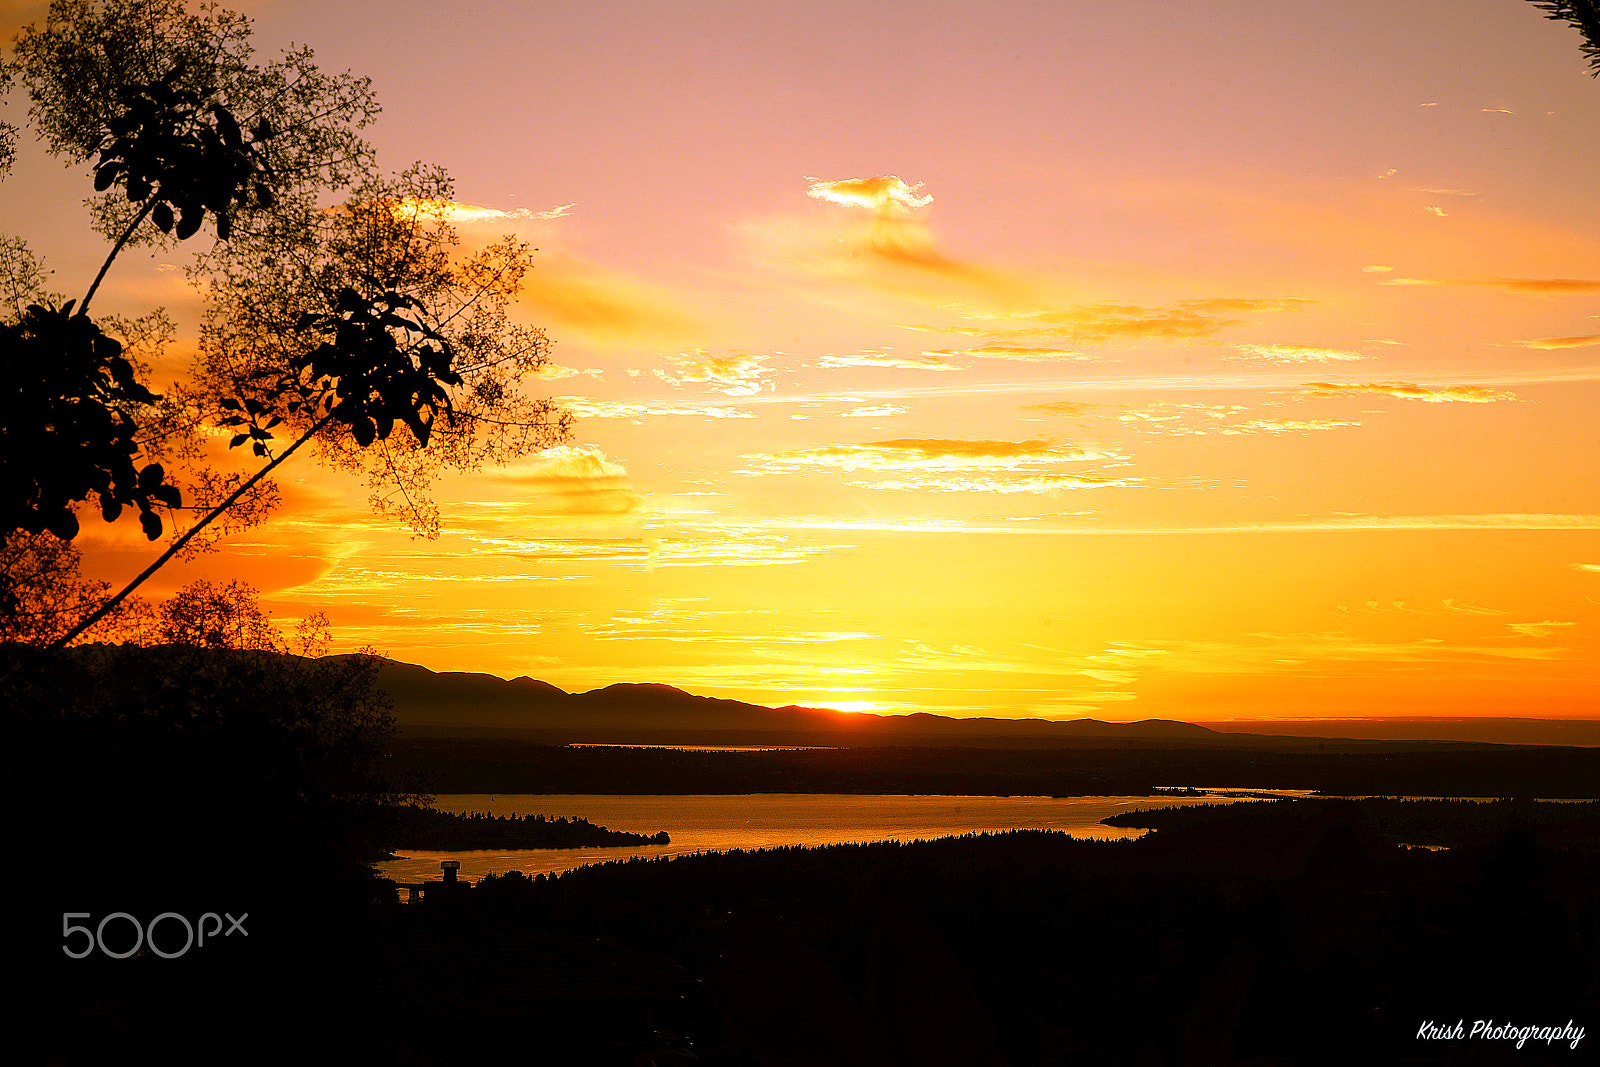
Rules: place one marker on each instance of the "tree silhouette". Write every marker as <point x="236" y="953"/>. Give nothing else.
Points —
<point x="1582" y="15"/>
<point x="325" y="326"/>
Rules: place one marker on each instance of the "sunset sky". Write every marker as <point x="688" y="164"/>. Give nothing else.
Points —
<point x="1220" y="360"/>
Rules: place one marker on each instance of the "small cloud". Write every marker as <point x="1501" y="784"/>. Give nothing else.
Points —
<point x="736" y="374"/>
<point x="1019" y="352"/>
<point x="1377" y="269"/>
<point x="1470" y="609"/>
<point x="1436" y="211"/>
<point x="455" y="211"/>
<point x="1587" y="567"/>
<point x="871" y="359"/>
<point x="1294" y="354"/>
<point x="1185" y="320"/>
<point x="883" y="411"/>
<point x="1062" y="408"/>
<point x="554" y="372"/>
<point x="943" y="455"/>
<point x="568" y="482"/>
<point x="1497" y="110"/>
<point x="1389" y="173"/>
<point x="585" y="408"/>
<point x="1282" y="426"/>
<point x="1023" y="483"/>
<point x="885" y="195"/>
<point x="1539" y="629"/>
<point x="1468" y="394"/>
<point x="1562" y="342"/>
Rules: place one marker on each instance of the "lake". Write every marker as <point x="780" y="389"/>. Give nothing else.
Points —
<point x="762" y="820"/>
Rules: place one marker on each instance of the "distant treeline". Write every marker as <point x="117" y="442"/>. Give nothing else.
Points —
<point x="461" y="765"/>
<point x="429" y="828"/>
<point x="1391" y="821"/>
<point x="1289" y="932"/>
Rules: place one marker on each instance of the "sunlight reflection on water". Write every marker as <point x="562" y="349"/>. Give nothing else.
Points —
<point x="764" y="820"/>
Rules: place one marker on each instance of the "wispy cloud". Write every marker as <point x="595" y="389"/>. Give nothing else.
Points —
<point x="1019" y="352"/>
<point x="586" y="408"/>
<point x="945" y="455"/>
<point x="1467" y="394"/>
<point x="1516" y="285"/>
<point x="569" y="483"/>
<point x="1070" y="409"/>
<point x="1451" y="605"/>
<point x="1283" y="426"/>
<point x="882" y="411"/>
<point x="1294" y="354"/>
<point x="947" y="466"/>
<point x="604" y="306"/>
<point x="1562" y="342"/>
<point x="1165" y="418"/>
<point x="926" y="361"/>
<point x="1035" y="482"/>
<point x="458" y="212"/>
<point x="1185" y="320"/>
<point x="1548" y="628"/>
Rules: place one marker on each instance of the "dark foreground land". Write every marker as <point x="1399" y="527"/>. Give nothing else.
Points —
<point x="1291" y="932"/>
<point x="1267" y="934"/>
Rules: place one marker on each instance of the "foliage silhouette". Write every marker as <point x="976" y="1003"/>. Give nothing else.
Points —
<point x="333" y="324"/>
<point x="1583" y="16"/>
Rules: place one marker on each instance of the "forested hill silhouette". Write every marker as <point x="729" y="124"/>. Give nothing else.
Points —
<point x="427" y="703"/>
<point x="454" y="704"/>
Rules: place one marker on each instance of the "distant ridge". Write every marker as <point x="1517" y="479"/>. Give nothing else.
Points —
<point x="456" y="704"/>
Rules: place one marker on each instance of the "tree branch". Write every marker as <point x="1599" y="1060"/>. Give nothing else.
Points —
<point x="177" y="545"/>
<point x="83" y="308"/>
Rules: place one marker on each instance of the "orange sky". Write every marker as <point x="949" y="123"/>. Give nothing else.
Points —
<point x="1199" y="361"/>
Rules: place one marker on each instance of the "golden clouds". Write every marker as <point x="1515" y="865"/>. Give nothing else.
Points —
<point x="1063" y="408"/>
<point x="931" y="454"/>
<point x="882" y="411"/>
<point x="886" y="195"/>
<point x="1466" y="394"/>
<point x="1562" y="342"/>
<point x="1294" y="354"/>
<point x="1185" y="320"/>
<point x="1539" y="629"/>
<point x="926" y="361"/>
<point x="1034" y="482"/>
<point x="1282" y="426"/>
<point x="454" y="211"/>
<point x="736" y="374"/>
<point x="1170" y="419"/>
<point x="563" y="291"/>
<point x="603" y="306"/>
<point x="567" y="483"/>
<point x="947" y="465"/>
<point x="1515" y="285"/>
<point x="893" y="251"/>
